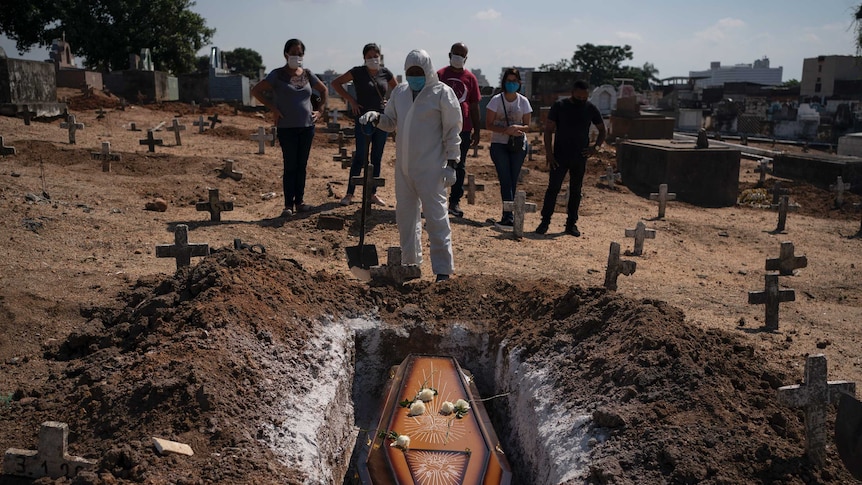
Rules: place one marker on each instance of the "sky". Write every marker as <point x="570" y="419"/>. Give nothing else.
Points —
<point x="675" y="36"/>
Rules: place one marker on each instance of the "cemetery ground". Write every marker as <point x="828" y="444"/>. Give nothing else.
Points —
<point x="270" y="364"/>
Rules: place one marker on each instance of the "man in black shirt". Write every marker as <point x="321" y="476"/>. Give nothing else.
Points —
<point x="570" y="119"/>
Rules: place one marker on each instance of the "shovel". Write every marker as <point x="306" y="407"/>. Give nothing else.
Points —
<point x="848" y="434"/>
<point x="361" y="258"/>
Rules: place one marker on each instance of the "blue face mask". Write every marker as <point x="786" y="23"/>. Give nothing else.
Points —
<point x="512" y="87"/>
<point x="416" y="82"/>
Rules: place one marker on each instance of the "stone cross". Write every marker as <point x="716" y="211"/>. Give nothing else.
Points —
<point x="616" y="267"/>
<point x="813" y="396"/>
<point x="763" y="166"/>
<point x="150" y="141"/>
<point x="771" y="296"/>
<point x="51" y="458"/>
<point x="27" y="115"/>
<point x="101" y="113"/>
<point x="777" y="192"/>
<point x="176" y="127"/>
<point x="472" y="188"/>
<point x="610" y="177"/>
<point x="839" y="187"/>
<point x="662" y="197"/>
<point x="181" y="249"/>
<point x="273" y="135"/>
<point x="72" y="126"/>
<point x="201" y="124"/>
<point x="343" y="158"/>
<point x="519" y="207"/>
<point x="786" y="262"/>
<point x="106" y="156"/>
<point x="640" y="232"/>
<point x="367" y="178"/>
<point x="230" y="171"/>
<point x="4" y="150"/>
<point x="133" y="127"/>
<point x="213" y="120"/>
<point x="393" y="271"/>
<point x="783" y="207"/>
<point x="214" y="206"/>
<point x="261" y="138"/>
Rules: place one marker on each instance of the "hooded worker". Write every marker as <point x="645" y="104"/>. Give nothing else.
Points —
<point x="427" y="115"/>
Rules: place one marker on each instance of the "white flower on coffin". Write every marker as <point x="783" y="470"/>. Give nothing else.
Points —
<point x="462" y="407"/>
<point x="426" y="394"/>
<point x="401" y="442"/>
<point x="417" y="408"/>
<point x="447" y="408"/>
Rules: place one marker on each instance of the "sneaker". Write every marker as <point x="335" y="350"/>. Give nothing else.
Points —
<point x="375" y="199"/>
<point x="441" y="277"/>
<point x="304" y="207"/>
<point x="287" y="212"/>
<point x="573" y="230"/>
<point x="455" y="210"/>
<point x="347" y="200"/>
<point x="505" y="224"/>
<point x="543" y="228"/>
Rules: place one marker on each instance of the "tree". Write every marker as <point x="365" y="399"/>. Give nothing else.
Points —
<point x="790" y="83"/>
<point x="859" y="29"/>
<point x="601" y="62"/>
<point x="247" y="62"/>
<point x="105" y="32"/>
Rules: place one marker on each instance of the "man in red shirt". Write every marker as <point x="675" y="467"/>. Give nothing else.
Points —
<point x="466" y="88"/>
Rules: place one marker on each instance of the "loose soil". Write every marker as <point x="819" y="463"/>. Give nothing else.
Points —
<point x="675" y="366"/>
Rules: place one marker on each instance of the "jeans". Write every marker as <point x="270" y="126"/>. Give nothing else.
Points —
<point x="295" y="148"/>
<point x="576" y="168"/>
<point x="378" y="140"/>
<point x="457" y="190"/>
<point x="508" y="167"/>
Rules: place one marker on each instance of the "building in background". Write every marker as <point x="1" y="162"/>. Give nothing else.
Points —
<point x="717" y="75"/>
<point x="827" y="76"/>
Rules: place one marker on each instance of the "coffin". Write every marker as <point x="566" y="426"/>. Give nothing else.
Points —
<point x="456" y="448"/>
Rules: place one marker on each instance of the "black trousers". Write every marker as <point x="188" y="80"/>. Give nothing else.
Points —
<point x="575" y="168"/>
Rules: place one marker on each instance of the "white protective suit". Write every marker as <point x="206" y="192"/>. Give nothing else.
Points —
<point x="429" y="130"/>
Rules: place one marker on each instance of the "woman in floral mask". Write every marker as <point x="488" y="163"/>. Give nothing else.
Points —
<point x="372" y="83"/>
<point x="287" y="91"/>
<point x="508" y="118"/>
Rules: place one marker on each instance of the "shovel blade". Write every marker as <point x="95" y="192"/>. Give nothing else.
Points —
<point x="848" y="434"/>
<point x="363" y="257"/>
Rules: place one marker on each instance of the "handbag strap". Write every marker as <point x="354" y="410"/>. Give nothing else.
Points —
<point x="503" y="100"/>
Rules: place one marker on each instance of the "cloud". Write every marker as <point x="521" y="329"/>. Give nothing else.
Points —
<point x="489" y="14"/>
<point x="719" y="31"/>
<point x="629" y="36"/>
<point x="812" y="38"/>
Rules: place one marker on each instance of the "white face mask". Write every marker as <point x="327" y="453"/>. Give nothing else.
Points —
<point x="294" y="62"/>
<point x="372" y="63"/>
<point x="457" y="61"/>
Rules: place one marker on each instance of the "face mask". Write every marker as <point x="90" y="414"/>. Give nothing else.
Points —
<point x="294" y="62"/>
<point x="372" y="63"/>
<point x="416" y="82"/>
<point x="457" y="61"/>
<point x="512" y="87"/>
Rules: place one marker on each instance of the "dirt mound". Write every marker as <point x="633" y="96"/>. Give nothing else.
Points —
<point x="185" y="358"/>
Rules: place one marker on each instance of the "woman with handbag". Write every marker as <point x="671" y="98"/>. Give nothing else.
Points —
<point x="508" y="119"/>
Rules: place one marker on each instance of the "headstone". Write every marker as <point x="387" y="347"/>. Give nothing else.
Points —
<point x="771" y="296"/>
<point x="786" y="262"/>
<point x="839" y="187"/>
<point x="783" y="207"/>
<point x="106" y="156"/>
<point x="230" y="171"/>
<point x="181" y="249"/>
<point x="50" y="459"/>
<point x="176" y="127"/>
<point x="27" y="114"/>
<point x="201" y="124"/>
<point x="616" y="267"/>
<point x="213" y="120"/>
<point x="777" y="191"/>
<point x="150" y="142"/>
<point x="146" y="60"/>
<point x="472" y="188"/>
<point x="610" y="177"/>
<point x="72" y="126"/>
<point x="813" y="396"/>
<point x="519" y="207"/>
<point x="393" y="271"/>
<point x="640" y="232"/>
<point x="662" y="197"/>
<point x="4" y="150"/>
<point x="214" y="206"/>
<point x="261" y="138"/>
<point x="763" y="167"/>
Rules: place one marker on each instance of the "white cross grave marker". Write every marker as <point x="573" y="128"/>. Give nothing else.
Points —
<point x="519" y="207"/>
<point x="472" y="188"/>
<point x="610" y="177"/>
<point x="4" y="150"/>
<point x="839" y="187"/>
<point x="106" y="156"/>
<point x="72" y="126"/>
<point x="261" y="138"/>
<point x="51" y="459"/>
<point x="640" y="232"/>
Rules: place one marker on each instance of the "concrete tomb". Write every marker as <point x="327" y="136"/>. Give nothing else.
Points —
<point x="771" y="296"/>
<point x="519" y="207"/>
<point x="214" y="206"/>
<point x="181" y="250"/>
<point x="617" y="266"/>
<point x="813" y="396"/>
<point x="819" y="169"/>
<point x="707" y="177"/>
<point x="72" y="126"/>
<point x="176" y="127"/>
<point x="4" y="150"/>
<point x="640" y="232"/>
<point x="628" y="122"/>
<point x="472" y="188"/>
<point x="787" y="262"/>
<point x="662" y="196"/>
<point x="28" y="85"/>
<point x="51" y="459"/>
<point x="106" y="156"/>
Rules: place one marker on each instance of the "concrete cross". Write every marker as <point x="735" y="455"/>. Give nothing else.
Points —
<point x="771" y="296"/>
<point x="783" y="207"/>
<point x="50" y="459"/>
<point x="813" y="396"/>
<point x="786" y="262"/>
<point x="181" y="249"/>
<point x="106" y="156"/>
<point x="472" y="188"/>
<point x="214" y="206"/>
<point x="273" y="135"/>
<point x="839" y="187"/>
<point x="610" y="177"/>
<point x="213" y="120"/>
<point x="367" y="179"/>
<point x="230" y="171"/>
<point x="519" y="207"/>
<point x="100" y="114"/>
<point x="4" y="150"/>
<point x="201" y="124"/>
<point x="393" y="271"/>
<point x="662" y="197"/>
<point x="261" y="138"/>
<point x="476" y="149"/>
<point x="777" y="191"/>
<point x="616" y="267"/>
<point x="133" y="127"/>
<point x="640" y="232"/>
<point x="72" y="126"/>
<point x="763" y="166"/>
<point x="27" y="115"/>
<point x="150" y="141"/>
<point x="176" y="127"/>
